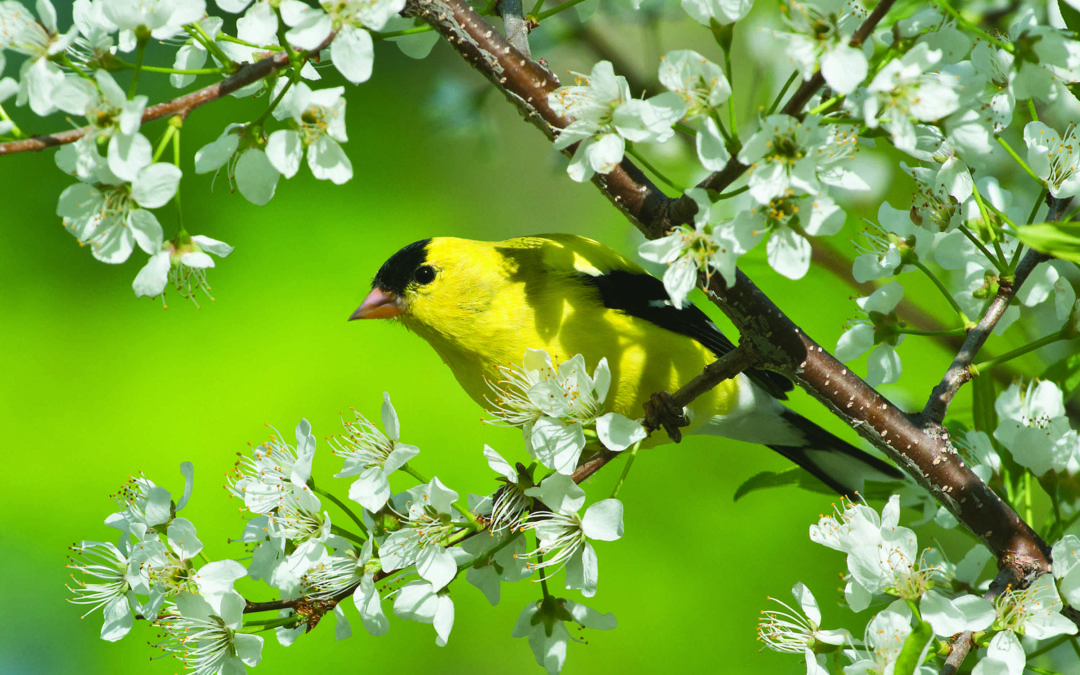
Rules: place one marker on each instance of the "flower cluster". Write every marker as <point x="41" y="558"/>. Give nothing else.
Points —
<point x="122" y="178"/>
<point x="930" y="600"/>
<point x="421" y="537"/>
<point x="605" y="117"/>
<point x="151" y="571"/>
<point x="554" y="403"/>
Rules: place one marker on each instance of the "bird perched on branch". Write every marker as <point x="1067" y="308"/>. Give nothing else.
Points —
<point x="480" y="305"/>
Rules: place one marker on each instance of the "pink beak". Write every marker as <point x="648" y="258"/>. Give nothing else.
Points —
<point x="379" y="304"/>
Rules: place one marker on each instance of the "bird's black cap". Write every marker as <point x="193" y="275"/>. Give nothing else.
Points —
<point x="397" y="272"/>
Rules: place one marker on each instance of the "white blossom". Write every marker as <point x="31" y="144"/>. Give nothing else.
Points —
<point x="706" y="247"/>
<point x="181" y="262"/>
<point x="604" y="116"/>
<point x="317" y="121"/>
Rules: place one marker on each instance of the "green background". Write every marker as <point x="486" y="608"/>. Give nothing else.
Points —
<point x="98" y="385"/>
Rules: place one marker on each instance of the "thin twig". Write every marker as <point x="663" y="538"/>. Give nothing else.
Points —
<point x="959" y="372"/>
<point x="517" y="27"/>
<point x="182" y="106"/>
<point x="683" y="211"/>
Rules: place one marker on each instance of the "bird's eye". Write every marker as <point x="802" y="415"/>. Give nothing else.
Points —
<point x="425" y="274"/>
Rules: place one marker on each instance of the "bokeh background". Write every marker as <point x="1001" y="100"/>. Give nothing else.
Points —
<point x="98" y="385"/>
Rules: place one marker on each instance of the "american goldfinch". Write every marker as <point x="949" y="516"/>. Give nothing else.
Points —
<point x="480" y="305"/>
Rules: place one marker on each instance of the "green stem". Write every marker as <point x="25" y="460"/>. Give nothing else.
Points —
<point x="474" y="524"/>
<point x="235" y="40"/>
<point x="948" y="9"/>
<point x="652" y="169"/>
<point x="1041" y="671"/>
<point x="1027" y="497"/>
<point x="458" y="536"/>
<point x="783" y="92"/>
<point x="825" y="105"/>
<point x="1039" y="201"/>
<point x="176" y="122"/>
<point x="507" y="540"/>
<point x="379" y="37"/>
<point x="344" y="507"/>
<point x="277" y="100"/>
<point x="183" y="71"/>
<point x="15" y="132"/>
<point x="935" y="333"/>
<point x="196" y="32"/>
<point x="732" y="123"/>
<point x="1020" y="351"/>
<point x="407" y="468"/>
<point x="626" y="470"/>
<point x="1016" y="158"/>
<point x="999" y="265"/>
<point x="539" y="561"/>
<point x="260" y="625"/>
<point x="558" y="8"/>
<point x="77" y="68"/>
<point x="1000" y="214"/>
<point x="351" y="536"/>
<point x="140" y="50"/>
<point x="537" y="7"/>
<point x="170" y="131"/>
<point x="729" y="141"/>
<point x="685" y="129"/>
<point x="979" y="202"/>
<point x="944" y="291"/>
<point x="733" y="193"/>
<point x="1032" y="111"/>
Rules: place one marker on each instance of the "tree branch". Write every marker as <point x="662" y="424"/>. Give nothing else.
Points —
<point x="959" y="372"/>
<point x="924" y="451"/>
<point x="247" y="74"/>
<point x="683" y="211"/>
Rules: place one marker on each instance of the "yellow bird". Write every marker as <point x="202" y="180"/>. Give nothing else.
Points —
<point x="480" y="305"/>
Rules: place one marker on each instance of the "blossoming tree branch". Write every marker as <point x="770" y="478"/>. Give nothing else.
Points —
<point x="978" y="110"/>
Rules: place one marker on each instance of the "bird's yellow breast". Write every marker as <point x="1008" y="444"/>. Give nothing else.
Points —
<point x="493" y="300"/>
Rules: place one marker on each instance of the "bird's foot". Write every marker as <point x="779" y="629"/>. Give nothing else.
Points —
<point x="662" y="411"/>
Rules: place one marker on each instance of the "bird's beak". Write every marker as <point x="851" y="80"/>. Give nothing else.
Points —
<point x="379" y="304"/>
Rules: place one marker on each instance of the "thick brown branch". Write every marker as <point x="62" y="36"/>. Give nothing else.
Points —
<point x="923" y="451"/>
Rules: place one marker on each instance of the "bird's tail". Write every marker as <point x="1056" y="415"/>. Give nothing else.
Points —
<point x="835" y="462"/>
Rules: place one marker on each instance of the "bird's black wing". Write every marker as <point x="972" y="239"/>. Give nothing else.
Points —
<point x="645" y="297"/>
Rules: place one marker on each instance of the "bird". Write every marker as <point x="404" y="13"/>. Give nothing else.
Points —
<point x="482" y="304"/>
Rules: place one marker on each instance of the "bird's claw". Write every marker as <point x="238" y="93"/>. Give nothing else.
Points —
<point x="662" y="411"/>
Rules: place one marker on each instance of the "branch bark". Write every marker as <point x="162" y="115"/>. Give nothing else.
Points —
<point x="959" y="372"/>
<point x="247" y="74"/>
<point x="923" y="449"/>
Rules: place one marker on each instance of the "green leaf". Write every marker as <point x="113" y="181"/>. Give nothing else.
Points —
<point x="1061" y="240"/>
<point x="771" y="479"/>
<point x="911" y="655"/>
<point x="1070" y="15"/>
<point x="1066" y="373"/>
<point x="767" y="479"/>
